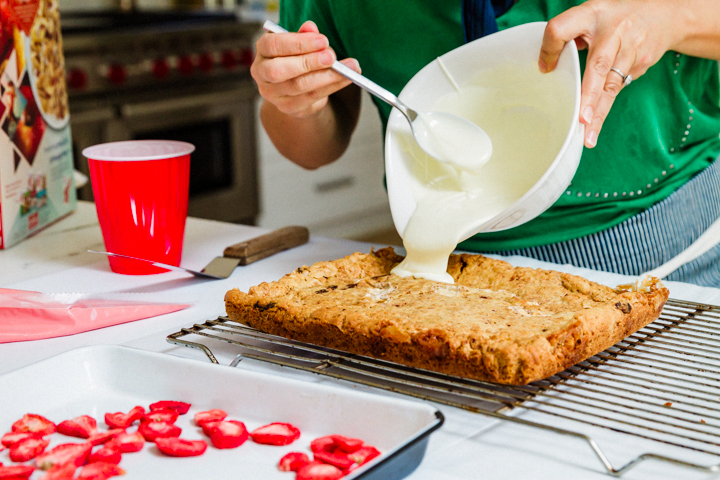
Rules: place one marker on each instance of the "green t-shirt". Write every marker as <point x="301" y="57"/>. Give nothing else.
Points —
<point x="663" y="129"/>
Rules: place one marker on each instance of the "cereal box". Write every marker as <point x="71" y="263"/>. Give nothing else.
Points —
<point x="36" y="161"/>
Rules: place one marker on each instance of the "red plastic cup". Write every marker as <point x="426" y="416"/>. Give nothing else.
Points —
<point x="141" y="196"/>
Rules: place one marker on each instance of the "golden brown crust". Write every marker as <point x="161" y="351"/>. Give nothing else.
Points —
<point x="498" y="323"/>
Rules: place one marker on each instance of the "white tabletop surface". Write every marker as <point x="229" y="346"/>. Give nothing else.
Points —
<point x="468" y="446"/>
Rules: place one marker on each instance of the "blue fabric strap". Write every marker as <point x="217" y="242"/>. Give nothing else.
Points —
<point x="479" y="17"/>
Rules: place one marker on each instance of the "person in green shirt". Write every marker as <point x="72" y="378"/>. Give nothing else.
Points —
<point x="648" y="183"/>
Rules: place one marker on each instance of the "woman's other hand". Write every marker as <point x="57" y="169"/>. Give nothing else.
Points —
<point x="629" y="36"/>
<point x="292" y="70"/>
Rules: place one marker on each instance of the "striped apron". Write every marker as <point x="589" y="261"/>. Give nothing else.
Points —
<point x="650" y="238"/>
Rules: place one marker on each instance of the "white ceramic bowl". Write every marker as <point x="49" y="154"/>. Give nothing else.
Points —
<point x="518" y="46"/>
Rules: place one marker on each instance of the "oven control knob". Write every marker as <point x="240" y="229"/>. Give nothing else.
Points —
<point x="228" y="60"/>
<point x="117" y="74"/>
<point x="185" y="65"/>
<point x="160" y="69"/>
<point x="77" y="79"/>
<point x="206" y="62"/>
<point x="247" y="56"/>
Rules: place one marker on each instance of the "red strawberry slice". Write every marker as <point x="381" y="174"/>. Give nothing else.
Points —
<point x="168" y="416"/>
<point x="213" y="415"/>
<point x="323" y="444"/>
<point x="364" y="454"/>
<point x="16" y="471"/>
<point x="102" y="437"/>
<point x="11" y="438"/>
<point x="127" y="442"/>
<point x="339" y="459"/>
<point x="179" y="447"/>
<point x="34" y="423"/>
<point x="227" y="434"/>
<point x="154" y="430"/>
<point x="28" y="449"/>
<point x="121" y="420"/>
<point x="75" y="453"/>
<point x="275" y="434"/>
<point x="319" y="471"/>
<point x="208" y="426"/>
<point x="61" y="472"/>
<point x="100" y="471"/>
<point x="180" y="407"/>
<point x="347" y="445"/>
<point x="81" y="427"/>
<point x="293" y="461"/>
<point x="105" y="455"/>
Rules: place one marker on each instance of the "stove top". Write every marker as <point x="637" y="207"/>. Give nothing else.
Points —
<point x="111" y="21"/>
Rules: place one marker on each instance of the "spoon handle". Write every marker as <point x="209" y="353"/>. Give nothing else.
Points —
<point x="357" y="79"/>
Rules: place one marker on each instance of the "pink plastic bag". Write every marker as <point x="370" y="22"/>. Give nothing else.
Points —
<point x="26" y="315"/>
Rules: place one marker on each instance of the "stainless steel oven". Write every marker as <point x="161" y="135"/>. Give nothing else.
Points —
<point x="178" y="81"/>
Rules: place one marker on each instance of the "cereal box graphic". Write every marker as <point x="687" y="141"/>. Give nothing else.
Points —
<point x="36" y="161"/>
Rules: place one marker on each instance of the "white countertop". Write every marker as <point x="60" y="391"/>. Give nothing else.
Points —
<point x="468" y="446"/>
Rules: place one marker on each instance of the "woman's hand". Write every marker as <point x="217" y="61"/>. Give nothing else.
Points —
<point x="627" y="35"/>
<point x="292" y="70"/>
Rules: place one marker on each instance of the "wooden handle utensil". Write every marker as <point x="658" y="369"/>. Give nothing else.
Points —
<point x="269" y="244"/>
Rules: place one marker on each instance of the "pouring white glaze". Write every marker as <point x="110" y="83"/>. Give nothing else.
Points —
<point x="527" y="131"/>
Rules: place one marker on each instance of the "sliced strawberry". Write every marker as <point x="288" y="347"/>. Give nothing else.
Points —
<point x="179" y="447"/>
<point x="363" y="455"/>
<point x="35" y="424"/>
<point x="103" y="437"/>
<point x="16" y="471"/>
<point x="122" y="420"/>
<point x="100" y="471"/>
<point x="127" y="442"/>
<point x="11" y="438"/>
<point x="61" y="472"/>
<point x="213" y="415"/>
<point x="105" y="455"/>
<point x="275" y="434"/>
<point x="76" y="453"/>
<point x="28" y="449"/>
<point x="154" y="430"/>
<point x="167" y="415"/>
<point x="180" y="407"/>
<point x="293" y="461"/>
<point x="323" y="444"/>
<point x="208" y="426"/>
<point x="319" y="471"/>
<point x="347" y="445"/>
<point x="339" y="459"/>
<point x="81" y="427"/>
<point x="227" y="433"/>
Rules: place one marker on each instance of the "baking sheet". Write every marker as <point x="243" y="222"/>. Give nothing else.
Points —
<point x="100" y="379"/>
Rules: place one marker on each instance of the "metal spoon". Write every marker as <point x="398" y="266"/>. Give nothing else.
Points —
<point x="444" y="136"/>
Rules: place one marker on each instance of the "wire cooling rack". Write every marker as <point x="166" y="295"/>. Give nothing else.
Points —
<point x="661" y="384"/>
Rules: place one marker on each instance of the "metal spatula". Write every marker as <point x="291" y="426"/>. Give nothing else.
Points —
<point x="243" y="253"/>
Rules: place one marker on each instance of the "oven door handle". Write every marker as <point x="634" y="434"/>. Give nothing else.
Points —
<point x="214" y="99"/>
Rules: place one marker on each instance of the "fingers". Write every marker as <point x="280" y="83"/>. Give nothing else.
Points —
<point x="614" y="83"/>
<point x="308" y="26"/>
<point x="315" y="80"/>
<point x="601" y="57"/>
<point x="306" y="94"/>
<point x="575" y="23"/>
<point x="271" y="45"/>
<point x="281" y="69"/>
<point x="292" y="70"/>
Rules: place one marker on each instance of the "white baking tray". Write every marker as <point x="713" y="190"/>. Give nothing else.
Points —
<point x="100" y="379"/>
